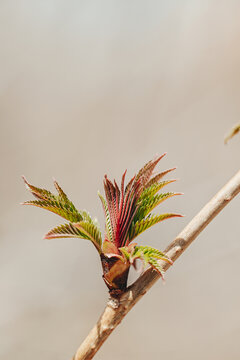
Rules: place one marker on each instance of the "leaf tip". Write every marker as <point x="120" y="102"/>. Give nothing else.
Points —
<point x="26" y="182"/>
<point x="159" y="157"/>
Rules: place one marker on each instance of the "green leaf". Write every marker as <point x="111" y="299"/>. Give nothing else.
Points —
<point x="149" y="203"/>
<point x="64" y="231"/>
<point x="60" y="191"/>
<point x="39" y="193"/>
<point x="58" y="204"/>
<point x="125" y="252"/>
<point x="153" y="189"/>
<point x="142" y="225"/>
<point x="81" y="230"/>
<point x="158" y="177"/>
<point x="150" y="256"/>
<point x="91" y="232"/>
<point x="81" y="224"/>
<point x="64" y="210"/>
<point x="154" y="264"/>
<point x="107" y="216"/>
<point x="148" y="251"/>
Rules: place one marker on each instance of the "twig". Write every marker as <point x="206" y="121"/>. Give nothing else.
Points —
<point x="116" y="309"/>
<point x="232" y="133"/>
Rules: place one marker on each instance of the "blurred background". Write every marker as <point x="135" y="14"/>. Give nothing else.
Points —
<point x="94" y="87"/>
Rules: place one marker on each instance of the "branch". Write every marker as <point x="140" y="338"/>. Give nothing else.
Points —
<point x="116" y="309"/>
<point x="232" y="133"/>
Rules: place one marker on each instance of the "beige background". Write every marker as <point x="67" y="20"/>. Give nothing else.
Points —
<point x="93" y="87"/>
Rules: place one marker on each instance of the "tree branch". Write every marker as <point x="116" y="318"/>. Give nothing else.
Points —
<point x="116" y="309"/>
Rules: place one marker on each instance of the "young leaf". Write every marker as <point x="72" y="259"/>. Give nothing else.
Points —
<point x="146" y="171"/>
<point x="62" y="209"/>
<point x="39" y="193"/>
<point x="60" y="191"/>
<point x="91" y="232"/>
<point x="147" y="204"/>
<point x="58" y="204"/>
<point x="158" y="177"/>
<point x="64" y="231"/>
<point x="107" y="216"/>
<point x="81" y="230"/>
<point x="148" y="251"/>
<point x="154" y="188"/>
<point x="145" y="224"/>
<point x="150" y="256"/>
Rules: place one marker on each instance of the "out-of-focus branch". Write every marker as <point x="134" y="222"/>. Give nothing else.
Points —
<point x="116" y="309"/>
<point x="232" y="133"/>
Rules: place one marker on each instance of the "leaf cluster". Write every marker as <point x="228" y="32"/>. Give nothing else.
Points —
<point x="128" y="213"/>
<point x="80" y="223"/>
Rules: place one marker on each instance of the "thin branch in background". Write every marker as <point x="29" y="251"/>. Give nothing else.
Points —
<point x="235" y="130"/>
<point x="116" y="309"/>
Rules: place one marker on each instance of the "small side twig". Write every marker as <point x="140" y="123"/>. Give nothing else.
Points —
<point x="116" y="309"/>
<point x="235" y="130"/>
